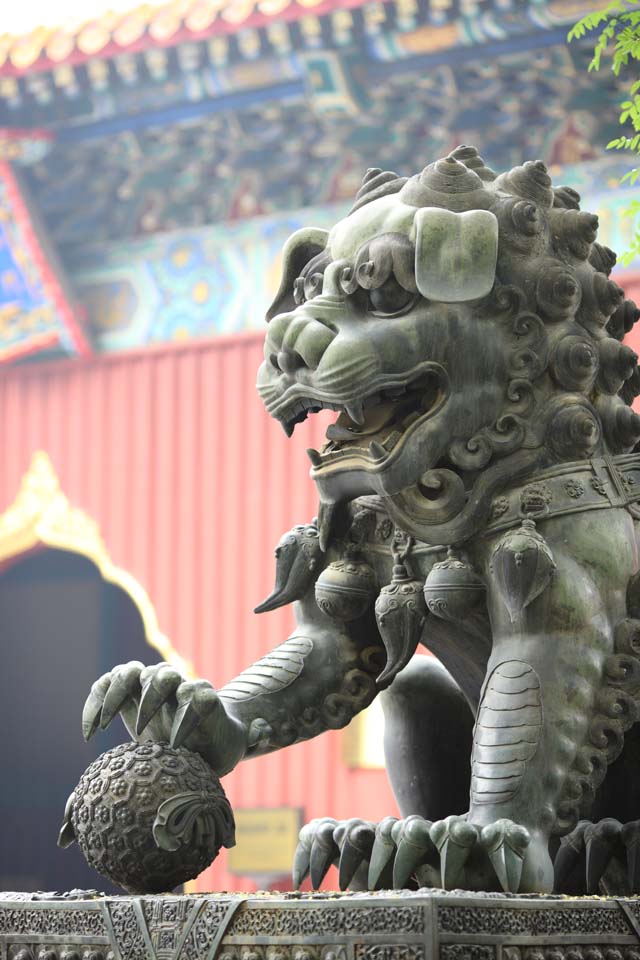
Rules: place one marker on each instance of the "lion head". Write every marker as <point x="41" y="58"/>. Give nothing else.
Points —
<point x="463" y="327"/>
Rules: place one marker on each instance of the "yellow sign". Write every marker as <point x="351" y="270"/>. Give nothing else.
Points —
<point x="266" y="841"/>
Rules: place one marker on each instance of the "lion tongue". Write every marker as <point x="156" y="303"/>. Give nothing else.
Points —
<point x="375" y="418"/>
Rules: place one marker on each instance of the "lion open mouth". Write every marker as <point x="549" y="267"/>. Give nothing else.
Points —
<point x="371" y="426"/>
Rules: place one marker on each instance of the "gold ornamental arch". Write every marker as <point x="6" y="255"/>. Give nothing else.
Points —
<point x="42" y="516"/>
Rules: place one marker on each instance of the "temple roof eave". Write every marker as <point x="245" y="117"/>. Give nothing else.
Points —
<point x="146" y="27"/>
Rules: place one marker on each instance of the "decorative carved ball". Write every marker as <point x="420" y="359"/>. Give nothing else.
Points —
<point x="346" y="589"/>
<point x="453" y="589"/>
<point x="150" y="817"/>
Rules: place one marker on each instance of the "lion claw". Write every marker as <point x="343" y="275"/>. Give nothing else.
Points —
<point x="196" y="703"/>
<point x="355" y="839"/>
<point x="316" y="851"/>
<point x="415" y="847"/>
<point x="93" y="706"/>
<point x="324" y="851"/>
<point x="125" y="682"/>
<point x="302" y="855"/>
<point x="506" y="844"/>
<point x="602" y="841"/>
<point x="158" y="687"/>
<point x="384" y="847"/>
<point x="569" y="855"/>
<point x="455" y="838"/>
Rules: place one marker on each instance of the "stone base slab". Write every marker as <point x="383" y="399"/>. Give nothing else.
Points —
<point x="390" y="925"/>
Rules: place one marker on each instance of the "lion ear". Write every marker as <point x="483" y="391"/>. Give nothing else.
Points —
<point x="301" y="247"/>
<point x="456" y="254"/>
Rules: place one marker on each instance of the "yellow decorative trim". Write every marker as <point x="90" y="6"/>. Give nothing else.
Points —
<point x="362" y="740"/>
<point x="41" y="515"/>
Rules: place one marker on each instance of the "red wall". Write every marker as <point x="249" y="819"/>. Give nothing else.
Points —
<point x="192" y="485"/>
<point x="630" y="282"/>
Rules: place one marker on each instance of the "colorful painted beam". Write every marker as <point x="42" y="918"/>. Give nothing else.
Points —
<point x="443" y="23"/>
<point x="189" y="284"/>
<point x="36" y="308"/>
<point x="147" y="27"/>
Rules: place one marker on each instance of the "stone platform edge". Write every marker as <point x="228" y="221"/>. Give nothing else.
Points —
<point x="389" y="925"/>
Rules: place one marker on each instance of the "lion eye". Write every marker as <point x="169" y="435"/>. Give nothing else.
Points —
<point x="298" y="291"/>
<point x="390" y="299"/>
<point x="307" y="287"/>
<point x="313" y="285"/>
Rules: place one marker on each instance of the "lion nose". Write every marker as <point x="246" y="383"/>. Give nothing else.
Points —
<point x="331" y="280"/>
<point x="288" y="361"/>
<point x="298" y="340"/>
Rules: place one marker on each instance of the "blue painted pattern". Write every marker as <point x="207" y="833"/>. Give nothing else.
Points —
<point x="27" y="312"/>
<point x="220" y="279"/>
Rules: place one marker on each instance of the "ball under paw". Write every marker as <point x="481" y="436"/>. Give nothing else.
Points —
<point x="148" y="816"/>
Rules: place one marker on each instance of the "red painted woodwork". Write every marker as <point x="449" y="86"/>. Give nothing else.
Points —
<point x="631" y="284"/>
<point x="172" y="453"/>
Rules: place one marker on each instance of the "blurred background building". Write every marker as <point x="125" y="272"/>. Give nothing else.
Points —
<point x="152" y="163"/>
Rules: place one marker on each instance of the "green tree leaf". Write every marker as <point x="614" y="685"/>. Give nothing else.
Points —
<point x="618" y="24"/>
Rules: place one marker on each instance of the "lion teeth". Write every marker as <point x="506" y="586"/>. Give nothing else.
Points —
<point x="326" y="514"/>
<point x="410" y="418"/>
<point x="394" y="393"/>
<point x="355" y="412"/>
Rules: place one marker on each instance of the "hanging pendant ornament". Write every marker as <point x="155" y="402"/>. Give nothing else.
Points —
<point x="297" y="557"/>
<point x="401" y="614"/>
<point x="523" y="566"/>
<point x="346" y="588"/>
<point x="453" y="588"/>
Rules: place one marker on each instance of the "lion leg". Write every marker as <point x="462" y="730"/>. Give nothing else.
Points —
<point x="428" y="734"/>
<point x="427" y="741"/>
<point x="542" y="735"/>
<point x="603" y="852"/>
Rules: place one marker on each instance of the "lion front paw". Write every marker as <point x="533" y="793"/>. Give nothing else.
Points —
<point x="157" y="703"/>
<point x="606" y="853"/>
<point x="415" y="852"/>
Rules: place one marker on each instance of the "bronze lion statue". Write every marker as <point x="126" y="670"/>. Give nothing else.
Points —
<point x="479" y="495"/>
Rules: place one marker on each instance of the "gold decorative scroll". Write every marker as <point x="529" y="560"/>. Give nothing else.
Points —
<point x="362" y="740"/>
<point x="41" y="516"/>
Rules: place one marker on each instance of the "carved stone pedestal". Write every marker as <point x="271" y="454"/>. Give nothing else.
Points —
<point x="426" y="925"/>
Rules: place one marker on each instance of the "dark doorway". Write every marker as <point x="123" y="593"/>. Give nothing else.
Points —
<point x="61" y="626"/>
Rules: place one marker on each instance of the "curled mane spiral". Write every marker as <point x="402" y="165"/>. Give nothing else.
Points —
<point x="571" y="380"/>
